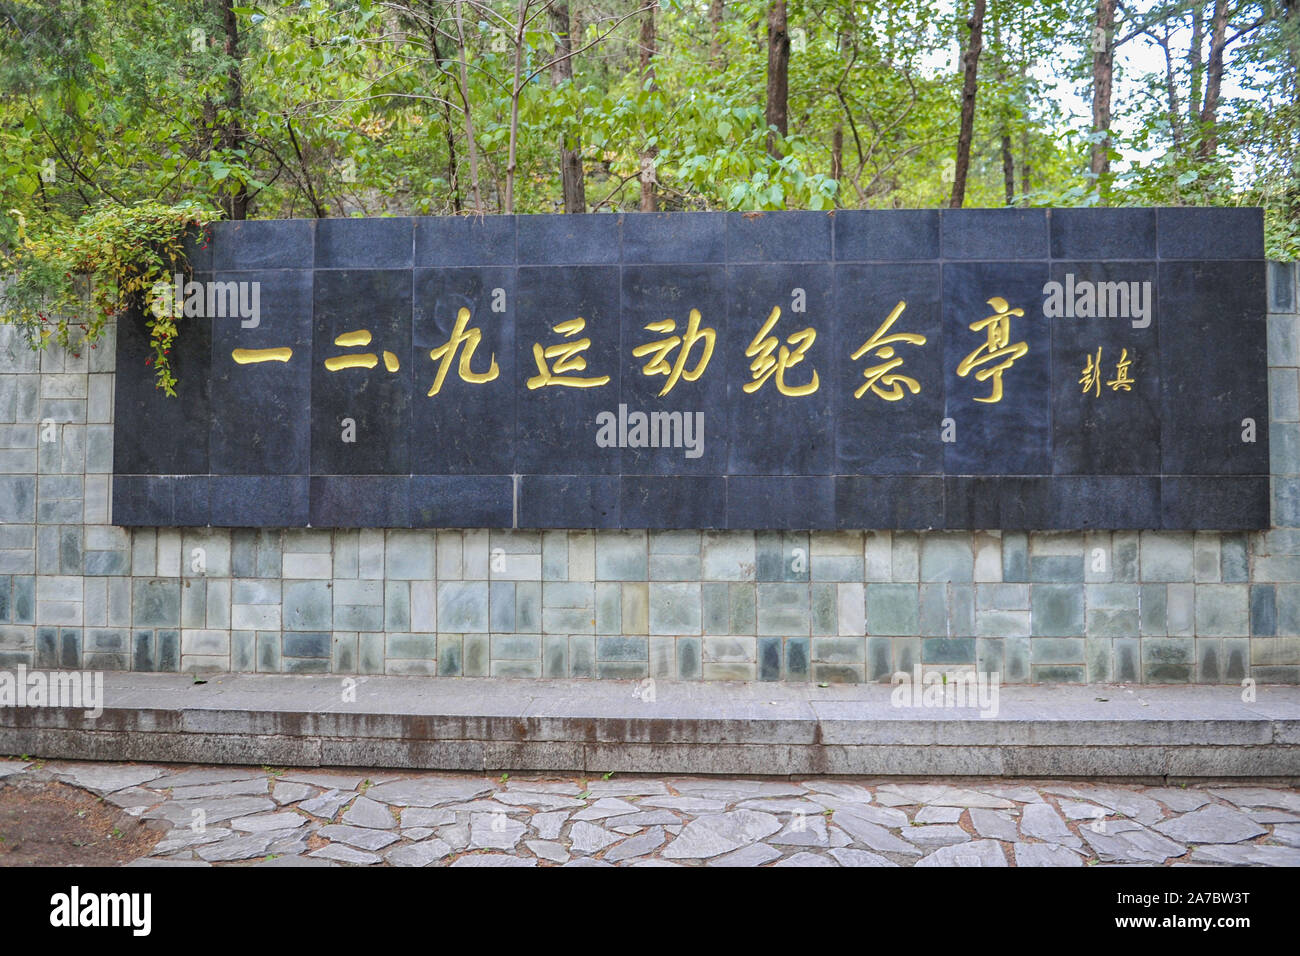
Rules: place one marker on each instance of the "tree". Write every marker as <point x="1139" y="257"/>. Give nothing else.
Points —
<point x="648" y="173"/>
<point x="778" y="75"/>
<point x="573" y="187"/>
<point x="970" y="81"/>
<point x="1103" y="68"/>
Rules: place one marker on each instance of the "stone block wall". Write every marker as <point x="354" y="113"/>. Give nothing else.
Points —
<point x="1148" y="607"/>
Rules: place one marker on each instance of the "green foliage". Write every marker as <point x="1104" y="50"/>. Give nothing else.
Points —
<point x="65" y="281"/>
<point x="352" y="107"/>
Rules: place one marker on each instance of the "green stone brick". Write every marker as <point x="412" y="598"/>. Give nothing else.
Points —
<point x="609" y="607"/>
<point x="674" y="567"/>
<point x="797" y="659"/>
<point x="675" y="542"/>
<point x="1054" y="568"/>
<point x="743" y="609"/>
<point x="476" y="655"/>
<point x="836" y="567"/>
<point x="1097" y="654"/>
<point x="1107" y="622"/>
<point x="1206" y="557"/>
<point x="622" y="649"/>
<point x="728" y="556"/>
<point x="1209" y="664"/>
<point x="268" y="653"/>
<point x="689" y="658"/>
<point x="675" y="608"/>
<point x="1235" y="658"/>
<point x="528" y="606"/>
<point x="1015" y="660"/>
<point x="837" y="673"/>
<point x="582" y="656"/>
<point x="989" y="655"/>
<point x="1152" y="599"/>
<point x="555" y="656"/>
<point x="621" y="556"/>
<point x="907" y="653"/>
<point x="1128" y="659"/>
<point x="825" y="609"/>
<point x="501" y="606"/>
<point x="715" y="607"/>
<point x="784" y="609"/>
<point x="892" y="609"/>
<point x="1056" y="610"/>
<point x="1002" y="597"/>
<point x="451" y="649"/>
<point x="1015" y="557"/>
<point x="622" y="670"/>
<point x="1057" y="650"/>
<point x="517" y="670"/>
<point x="1169" y="660"/>
<point x="515" y="647"/>
<point x="663" y="658"/>
<point x="1166" y="556"/>
<point x="1058" y="674"/>
<point x="725" y="650"/>
<point x="947" y="557"/>
<point x="1124" y="556"/>
<point x="948" y="650"/>
<point x="1222" y="610"/>
<point x="243" y="652"/>
<point x="838" y="650"/>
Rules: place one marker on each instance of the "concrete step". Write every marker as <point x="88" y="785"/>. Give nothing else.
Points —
<point x="491" y="724"/>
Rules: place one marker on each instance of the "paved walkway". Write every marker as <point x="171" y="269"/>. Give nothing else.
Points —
<point x="225" y="815"/>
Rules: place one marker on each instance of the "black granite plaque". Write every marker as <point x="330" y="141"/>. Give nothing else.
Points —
<point x="1017" y="369"/>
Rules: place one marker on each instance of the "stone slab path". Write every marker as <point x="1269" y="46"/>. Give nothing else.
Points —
<point x="269" y="816"/>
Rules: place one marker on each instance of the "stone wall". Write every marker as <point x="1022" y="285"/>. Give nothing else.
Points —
<point x="1153" y="607"/>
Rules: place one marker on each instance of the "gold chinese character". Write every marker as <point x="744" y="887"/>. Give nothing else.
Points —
<point x="1121" y="379"/>
<point x="998" y="348"/>
<point x="660" y="350"/>
<point x="764" y="365"/>
<point x="364" y="360"/>
<point x="567" y="359"/>
<point x="470" y="338"/>
<point x="254" y="356"/>
<point x="1091" y="378"/>
<point x="882" y="379"/>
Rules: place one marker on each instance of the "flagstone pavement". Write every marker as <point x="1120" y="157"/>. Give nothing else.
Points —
<point x="278" y="817"/>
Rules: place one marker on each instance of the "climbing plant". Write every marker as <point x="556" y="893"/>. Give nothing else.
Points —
<point x="64" y="281"/>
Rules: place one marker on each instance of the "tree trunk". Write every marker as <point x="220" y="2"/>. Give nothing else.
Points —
<point x="969" y="86"/>
<point x="516" y="90"/>
<point x="649" y="198"/>
<point x="1008" y="168"/>
<point x="1024" y="164"/>
<point x="453" y="168"/>
<point x="571" y="175"/>
<point x="1194" y="62"/>
<point x="1213" y="81"/>
<point x="469" y="117"/>
<point x="715" y="31"/>
<point x="1103" y="66"/>
<point x="778" y="74"/>
<point x="837" y="152"/>
<point x="1171" y="91"/>
<point x="1004" y="118"/>
<point x="232" y="135"/>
